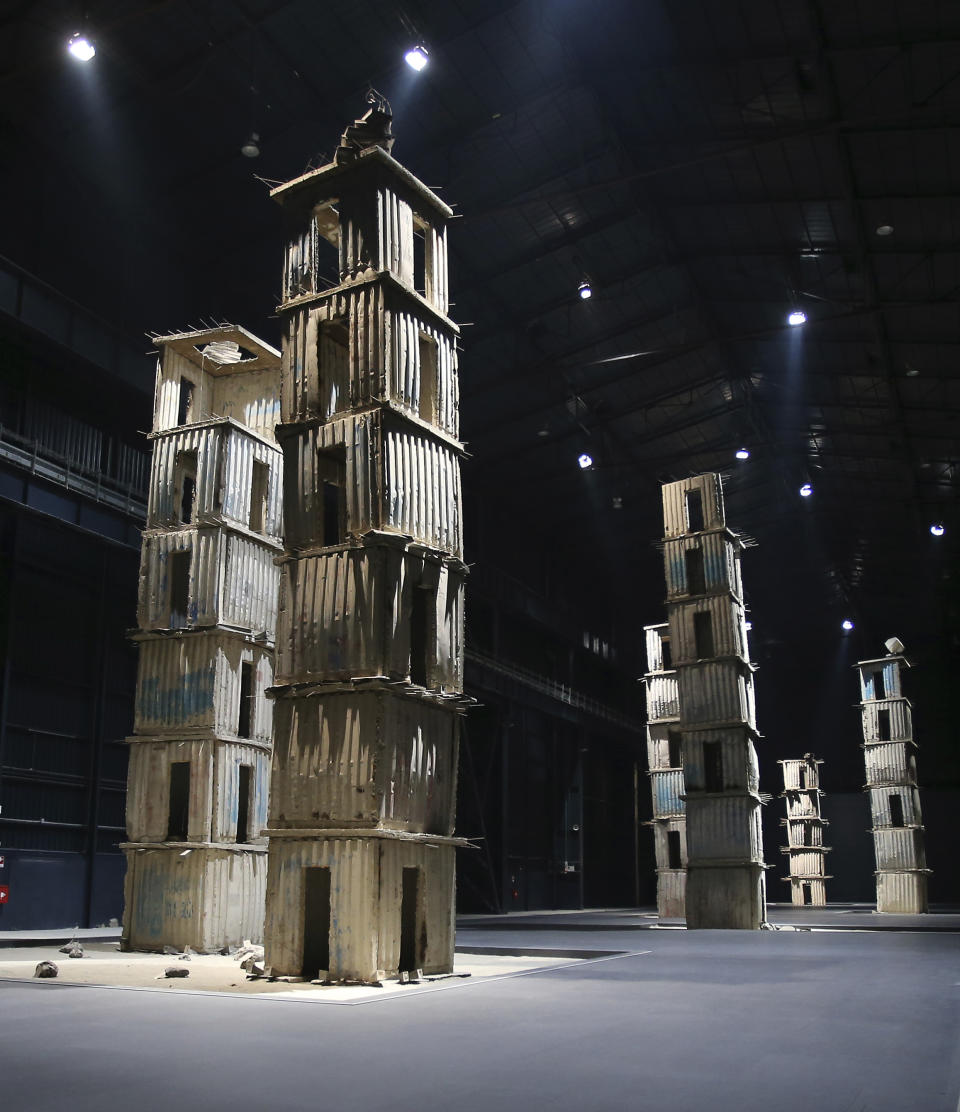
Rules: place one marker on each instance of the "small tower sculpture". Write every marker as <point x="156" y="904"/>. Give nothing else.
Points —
<point x="725" y="869"/>
<point x="891" y="764"/>
<point x="369" y="688"/>
<point x="804" y="823"/>
<point x="200" y="755"/>
<point x="665" y="763"/>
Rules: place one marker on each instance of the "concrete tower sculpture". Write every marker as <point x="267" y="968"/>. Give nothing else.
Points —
<point x="891" y="763"/>
<point x="804" y="823"/>
<point x="665" y="763"/>
<point x="200" y="756"/>
<point x="369" y="684"/>
<point x="725" y="869"/>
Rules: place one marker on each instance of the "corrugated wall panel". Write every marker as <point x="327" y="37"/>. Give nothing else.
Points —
<point x="251" y="582"/>
<point x="899" y="848"/>
<point x="805" y="863"/>
<point x="728" y="827"/>
<point x="228" y="759"/>
<point x="901" y="719"/>
<point x="890" y="686"/>
<point x="739" y="756"/>
<point x="675" y="505"/>
<point x="666" y="789"/>
<point x="653" y="638"/>
<point x="719" y="691"/>
<point x="893" y="762"/>
<point x="721" y="564"/>
<point x="671" y="893"/>
<point x="904" y="893"/>
<point x="148" y="788"/>
<point x="727" y="623"/>
<point x="880" y="805"/>
<point x="239" y="454"/>
<point x="663" y="697"/>
<point x="801" y="833"/>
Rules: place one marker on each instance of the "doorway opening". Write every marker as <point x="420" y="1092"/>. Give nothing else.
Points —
<point x="316" y="922"/>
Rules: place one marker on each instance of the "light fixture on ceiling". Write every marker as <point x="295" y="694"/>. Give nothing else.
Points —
<point x="748" y="626"/>
<point x="81" y="47"/>
<point x="742" y="453"/>
<point x="585" y="290"/>
<point x="251" y="146"/>
<point x="885" y="230"/>
<point x="796" y="317"/>
<point x="937" y="529"/>
<point x="846" y="625"/>
<point x="617" y="502"/>
<point x="585" y="461"/>
<point x="806" y="490"/>
<point x="417" y="57"/>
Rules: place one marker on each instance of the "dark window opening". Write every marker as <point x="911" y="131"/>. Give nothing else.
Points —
<point x="333" y="361"/>
<point x="245" y="717"/>
<point x="674" y="858"/>
<point x="331" y="471"/>
<point x="419" y="259"/>
<point x="186" y="471"/>
<point x="879" y="687"/>
<point x="419" y="636"/>
<point x="316" y="922"/>
<point x="807" y="835"/>
<point x="896" y="810"/>
<point x="428" y="378"/>
<point x="694" y="511"/>
<point x="179" y="573"/>
<point x="674" y="749"/>
<point x="703" y="635"/>
<point x="713" y="766"/>
<point x="696" y="582"/>
<point x="883" y="725"/>
<point x="244" y="784"/>
<point x="807" y="894"/>
<point x="409" y="923"/>
<point x="185" y="404"/>
<point x="259" y="490"/>
<point x="179" y="812"/>
<point x="666" y="653"/>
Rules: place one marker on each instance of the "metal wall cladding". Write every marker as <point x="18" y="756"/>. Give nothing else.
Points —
<point x="654" y="636"/>
<point x="658" y="746"/>
<point x="347" y="615"/>
<point x="671" y="892"/>
<point x="372" y="758"/>
<point x="816" y="888"/>
<point x="723" y="828"/>
<point x="241" y="451"/>
<point x="395" y="243"/>
<point x="194" y="682"/>
<point x="741" y="770"/>
<point x="148" y="788"/>
<point x="901" y="720"/>
<point x="801" y="832"/>
<point x="423" y="495"/>
<point x="365" y="885"/>
<point x="717" y="691"/>
<point x="727" y="624"/>
<point x="880" y="806"/>
<point x="675" y="504"/>
<point x="228" y="757"/>
<point x="800" y="773"/>
<point x="721" y="564"/>
<point x="233" y="581"/>
<point x="663" y="697"/>
<point x="802" y="805"/>
<point x="405" y="329"/>
<point x="805" y="863"/>
<point x="899" y="848"/>
<point x="902" y="893"/>
<point x="890" y="687"/>
<point x="666" y="788"/>
<point x="730" y="898"/>
<point x="890" y="763"/>
<point x="206" y="900"/>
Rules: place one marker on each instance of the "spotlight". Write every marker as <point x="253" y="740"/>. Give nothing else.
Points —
<point x="617" y="502"/>
<point x="937" y="528"/>
<point x="846" y="625"/>
<point x="585" y="290"/>
<point x="796" y="317"/>
<point x="251" y="146"/>
<point x="585" y="461"/>
<point x="417" y="57"/>
<point x="885" y="230"/>
<point x="806" y="490"/>
<point x="742" y="453"/>
<point x="81" y="47"/>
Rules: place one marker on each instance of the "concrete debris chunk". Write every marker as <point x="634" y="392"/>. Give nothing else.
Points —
<point x="247" y="951"/>
<point x="174" y="971"/>
<point x="75" y="951"/>
<point x="46" y="969"/>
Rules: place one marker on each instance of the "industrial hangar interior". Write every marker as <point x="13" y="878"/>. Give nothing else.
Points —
<point x="685" y="238"/>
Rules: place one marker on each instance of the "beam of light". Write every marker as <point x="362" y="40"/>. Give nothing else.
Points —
<point x="797" y="317"/>
<point x="81" y="47"/>
<point x="417" y="57"/>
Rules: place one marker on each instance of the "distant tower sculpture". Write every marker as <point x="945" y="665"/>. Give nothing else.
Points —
<point x="369" y="688"/>
<point x="891" y="763"/>
<point x="665" y="763"/>
<point x="805" y="848"/>
<point x="725" y="869"/>
<point x="200" y="755"/>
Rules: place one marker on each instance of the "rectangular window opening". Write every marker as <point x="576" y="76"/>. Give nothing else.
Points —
<point x="896" y="810"/>
<point x="703" y="634"/>
<point x="247" y="696"/>
<point x="259" y="490"/>
<point x="244" y="786"/>
<point x="694" y="511"/>
<point x="674" y="749"/>
<point x="420" y="631"/>
<point x="186" y="471"/>
<point x="713" y="766"/>
<point x="674" y="858"/>
<point x="333" y="363"/>
<point x="421" y="256"/>
<point x="178" y="820"/>
<point x="428" y="378"/>
<point x="883" y="724"/>
<point x="879" y="687"/>
<point x="316" y="922"/>
<point x="696" y="581"/>
<point x="412" y="946"/>
<point x="179" y="577"/>
<point x="666" y="653"/>
<point x="807" y="894"/>
<point x="185" y="401"/>
<point x="332" y="474"/>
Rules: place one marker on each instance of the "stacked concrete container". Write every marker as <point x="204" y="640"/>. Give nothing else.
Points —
<point x="200" y="755"/>
<point x="725" y="869"/>
<point x="891" y="765"/>
<point x="804" y="823"/>
<point x="368" y="693"/>
<point x="665" y="763"/>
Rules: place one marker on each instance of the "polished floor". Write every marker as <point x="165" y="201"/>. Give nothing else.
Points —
<point x="825" y="1018"/>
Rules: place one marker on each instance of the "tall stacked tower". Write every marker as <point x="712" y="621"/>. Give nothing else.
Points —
<point x="665" y="763"/>
<point x="804" y="823"/>
<point x="200" y="756"/>
<point x="369" y="685"/>
<point x="891" y="762"/>
<point x="725" y="879"/>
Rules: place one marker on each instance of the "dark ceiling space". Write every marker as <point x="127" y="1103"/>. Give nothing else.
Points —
<point x="708" y="165"/>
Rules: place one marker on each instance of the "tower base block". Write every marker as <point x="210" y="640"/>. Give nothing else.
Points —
<point x="902" y="893"/>
<point x="725" y="897"/>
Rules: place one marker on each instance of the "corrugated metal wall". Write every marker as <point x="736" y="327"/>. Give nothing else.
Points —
<point x="727" y="624"/>
<point x="719" y="691"/>
<point x="654" y="636"/>
<point x="894" y="762"/>
<point x="901" y="719"/>
<point x="880" y="805"/>
<point x="675" y="504"/>
<point x="899" y="848"/>
<point x="728" y="829"/>
<point x="905" y="893"/>
<point x="801" y="833"/>
<point x="721" y="564"/>
<point x="228" y="758"/>
<point x="663" y="696"/>
<point x="148" y="788"/>
<point x="891" y="684"/>
<point x="741" y="770"/>
<point x="666" y="790"/>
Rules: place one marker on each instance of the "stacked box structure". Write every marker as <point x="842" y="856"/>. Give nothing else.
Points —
<point x="200" y="755"/>
<point x="369" y="688"/>
<point x="665" y="764"/>
<point x="891" y="767"/>
<point x="725" y="869"/>
<point x="804" y="823"/>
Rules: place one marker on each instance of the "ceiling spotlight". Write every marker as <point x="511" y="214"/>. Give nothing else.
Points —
<point x="251" y="146"/>
<point x="617" y="502"/>
<point x="846" y="625"/>
<point x="585" y="290"/>
<point x="81" y="47"/>
<point x="806" y="490"/>
<point x="742" y="453"/>
<point x="937" y="529"/>
<point x="885" y="230"/>
<point x="585" y="461"/>
<point x="797" y="317"/>
<point x="417" y="57"/>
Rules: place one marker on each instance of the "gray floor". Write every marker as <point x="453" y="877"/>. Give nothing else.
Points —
<point x="783" y="1019"/>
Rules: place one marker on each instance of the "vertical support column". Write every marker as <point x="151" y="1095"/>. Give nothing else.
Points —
<point x="804" y="823"/>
